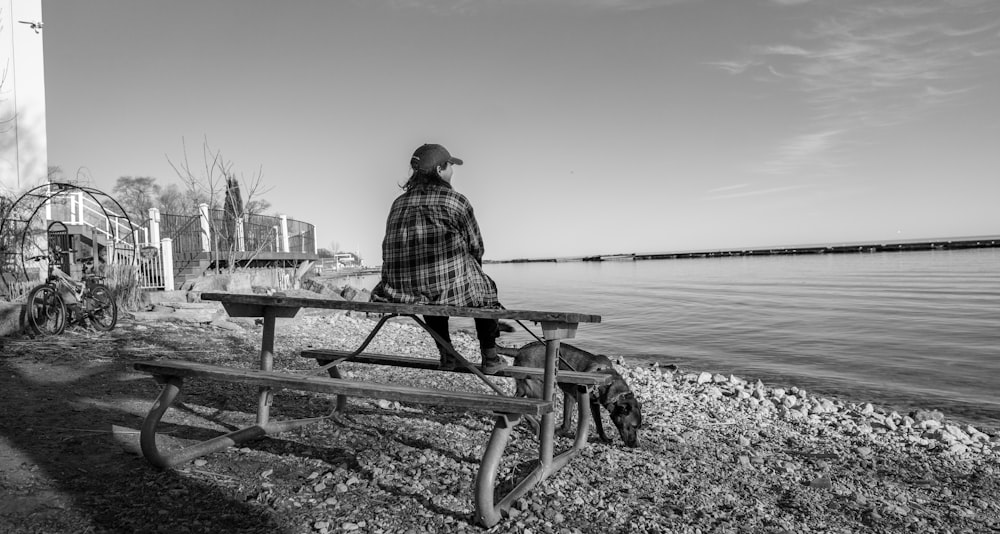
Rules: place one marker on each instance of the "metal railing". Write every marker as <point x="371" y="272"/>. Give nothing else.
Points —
<point x="80" y="208"/>
<point x="262" y="232"/>
<point x="252" y="233"/>
<point x="184" y="230"/>
<point x="151" y="274"/>
<point x="301" y="236"/>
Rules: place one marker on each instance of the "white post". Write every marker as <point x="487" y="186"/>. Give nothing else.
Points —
<point x="79" y="207"/>
<point x="206" y="232"/>
<point x="154" y="225"/>
<point x="284" y="233"/>
<point x="277" y="239"/>
<point x="241" y="242"/>
<point x="114" y="242"/>
<point x="48" y="203"/>
<point x="167" y="260"/>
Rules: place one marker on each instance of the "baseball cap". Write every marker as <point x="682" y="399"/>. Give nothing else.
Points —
<point x="430" y="156"/>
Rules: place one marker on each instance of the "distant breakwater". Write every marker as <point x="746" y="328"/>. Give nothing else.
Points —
<point x="850" y="248"/>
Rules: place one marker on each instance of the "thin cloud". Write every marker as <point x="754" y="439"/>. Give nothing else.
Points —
<point x="760" y="192"/>
<point x="781" y="50"/>
<point x="733" y="67"/>
<point x="873" y="64"/>
<point x="470" y="6"/>
<point x="727" y="188"/>
<point x="622" y="4"/>
<point x="815" y="151"/>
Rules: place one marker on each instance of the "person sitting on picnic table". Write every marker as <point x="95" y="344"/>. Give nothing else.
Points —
<point x="432" y="252"/>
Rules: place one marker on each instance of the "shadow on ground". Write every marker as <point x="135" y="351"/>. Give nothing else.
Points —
<point x="63" y="467"/>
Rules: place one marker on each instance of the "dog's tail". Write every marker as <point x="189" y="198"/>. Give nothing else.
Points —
<point x="507" y="351"/>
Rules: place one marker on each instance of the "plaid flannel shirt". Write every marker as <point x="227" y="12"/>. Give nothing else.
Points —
<point x="432" y="252"/>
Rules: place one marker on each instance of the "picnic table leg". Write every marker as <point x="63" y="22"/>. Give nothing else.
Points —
<point x="147" y="436"/>
<point x="487" y="512"/>
<point x="582" y="430"/>
<point x="548" y="427"/>
<point x="341" y="399"/>
<point x="266" y="364"/>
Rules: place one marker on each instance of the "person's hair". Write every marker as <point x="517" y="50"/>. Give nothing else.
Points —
<point x="420" y="178"/>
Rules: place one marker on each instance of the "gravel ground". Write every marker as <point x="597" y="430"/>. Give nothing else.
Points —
<point x="717" y="454"/>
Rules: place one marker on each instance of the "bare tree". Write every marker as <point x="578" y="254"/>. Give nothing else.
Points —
<point x="257" y="207"/>
<point x="217" y="182"/>
<point x="174" y="201"/>
<point x="136" y="194"/>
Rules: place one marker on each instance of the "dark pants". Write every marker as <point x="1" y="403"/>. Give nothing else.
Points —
<point x="487" y="330"/>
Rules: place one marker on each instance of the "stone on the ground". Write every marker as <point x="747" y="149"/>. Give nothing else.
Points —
<point x="10" y="318"/>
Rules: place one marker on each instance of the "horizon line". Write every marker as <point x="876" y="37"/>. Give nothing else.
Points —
<point x="746" y="250"/>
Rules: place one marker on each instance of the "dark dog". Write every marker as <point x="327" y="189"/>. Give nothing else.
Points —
<point x="616" y="397"/>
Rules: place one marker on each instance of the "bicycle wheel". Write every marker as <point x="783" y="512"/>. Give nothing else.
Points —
<point x="101" y="307"/>
<point x="45" y="311"/>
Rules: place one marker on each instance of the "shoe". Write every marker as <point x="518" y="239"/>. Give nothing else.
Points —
<point x="491" y="362"/>
<point x="448" y="362"/>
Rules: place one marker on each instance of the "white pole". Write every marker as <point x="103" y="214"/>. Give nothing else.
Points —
<point x="79" y="207"/>
<point x="48" y="203"/>
<point x="284" y="233"/>
<point x="167" y="261"/>
<point x="241" y="242"/>
<point x="154" y="225"/>
<point x="206" y="232"/>
<point x="114" y="243"/>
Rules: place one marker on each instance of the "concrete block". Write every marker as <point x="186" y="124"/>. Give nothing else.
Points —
<point x="11" y="320"/>
<point x="152" y="298"/>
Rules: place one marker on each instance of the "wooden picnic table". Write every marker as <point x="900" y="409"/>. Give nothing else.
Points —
<point x="508" y="410"/>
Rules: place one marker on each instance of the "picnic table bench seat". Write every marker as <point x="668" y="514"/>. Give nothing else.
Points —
<point x="431" y="364"/>
<point x="320" y="384"/>
<point x="333" y="358"/>
<point x="508" y="410"/>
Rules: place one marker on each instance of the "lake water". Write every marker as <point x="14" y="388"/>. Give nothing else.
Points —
<point x="902" y="330"/>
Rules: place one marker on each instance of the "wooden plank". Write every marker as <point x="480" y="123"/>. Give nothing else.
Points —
<point x="567" y="377"/>
<point x="236" y="309"/>
<point x="277" y="300"/>
<point x="351" y="388"/>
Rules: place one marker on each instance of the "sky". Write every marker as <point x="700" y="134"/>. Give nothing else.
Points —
<point x="587" y="126"/>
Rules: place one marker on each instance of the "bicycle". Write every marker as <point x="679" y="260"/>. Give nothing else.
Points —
<point x="61" y="300"/>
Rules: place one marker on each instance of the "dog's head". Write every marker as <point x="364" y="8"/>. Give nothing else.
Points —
<point x="626" y="414"/>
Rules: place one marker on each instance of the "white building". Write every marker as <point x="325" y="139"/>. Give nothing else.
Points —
<point x="23" y="150"/>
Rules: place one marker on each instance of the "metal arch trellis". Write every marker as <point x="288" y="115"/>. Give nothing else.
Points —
<point x="52" y="190"/>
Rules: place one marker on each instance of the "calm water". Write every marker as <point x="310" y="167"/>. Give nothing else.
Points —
<point x="904" y="330"/>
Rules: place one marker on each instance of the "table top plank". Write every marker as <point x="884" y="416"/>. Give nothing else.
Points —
<point x="280" y="301"/>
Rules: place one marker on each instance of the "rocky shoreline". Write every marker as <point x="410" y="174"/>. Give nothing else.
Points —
<point x="716" y="454"/>
<point x="719" y="453"/>
<point x="740" y="452"/>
